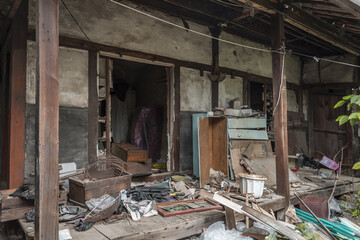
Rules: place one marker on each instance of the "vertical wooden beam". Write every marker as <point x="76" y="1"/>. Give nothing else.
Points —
<point x="246" y="91"/>
<point x="214" y="94"/>
<point x="280" y="108"/>
<point x="47" y="124"/>
<point x="93" y="107"/>
<point x="108" y="105"/>
<point x="311" y="137"/>
<point x="18" y="96"/>
<point x="215" y="32"/>
<point x="6" y="123"/>
<point x="176" y="130"/>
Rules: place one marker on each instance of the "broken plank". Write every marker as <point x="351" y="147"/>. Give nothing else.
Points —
<point x="235" y="157"/>
<point x="314" y="179"/>
<point x="230" y="218"/>
<point x="267" y="168"/>
<point x="249" y="150"/>
<point x="259" y="217"/>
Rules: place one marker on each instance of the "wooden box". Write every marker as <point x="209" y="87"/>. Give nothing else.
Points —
<point x="99" y="183"/>
<point x="138" y="168"/>
<point x="129" y="153"/>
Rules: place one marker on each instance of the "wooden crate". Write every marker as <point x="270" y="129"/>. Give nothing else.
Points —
<point x="129" y="153"/>
<point x="138" y="168"/>
<point x="100" y="183"/>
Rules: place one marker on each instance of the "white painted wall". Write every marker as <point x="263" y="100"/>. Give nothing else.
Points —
<point x="73" y="76"/>
<point x="230" y="89"/>
<point x="195" y="91"/>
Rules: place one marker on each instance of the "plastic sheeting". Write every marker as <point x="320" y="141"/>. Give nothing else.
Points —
<point x="217" y="231"/>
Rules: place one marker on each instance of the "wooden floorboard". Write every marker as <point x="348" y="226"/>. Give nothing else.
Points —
<point x="182" y="226"/>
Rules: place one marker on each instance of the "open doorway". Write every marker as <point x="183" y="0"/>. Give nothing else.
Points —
<point x="140" y="109"/>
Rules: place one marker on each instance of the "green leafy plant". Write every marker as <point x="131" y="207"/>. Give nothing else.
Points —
<point x="355" y="212"/>
<point x="350" y="101"/>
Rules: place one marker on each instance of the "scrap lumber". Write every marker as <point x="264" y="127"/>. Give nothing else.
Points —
<point x="259" y="217"/>
<point x="230" y="218"/>
<point x="235" y="159"/>
<point x="267" y="168"/>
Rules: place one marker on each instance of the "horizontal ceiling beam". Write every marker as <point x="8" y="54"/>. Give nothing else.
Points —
<point x="315" y="26"/>
<point x="351" y="6"/>
<point x="307" y="22"/>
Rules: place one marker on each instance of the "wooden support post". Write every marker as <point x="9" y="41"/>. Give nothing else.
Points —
<point x="108" y="106"/>
<point x="17" y="97"/>
<point x="280" y="108"/>
<point x="93" y="108"/>
<point x="311" y="137"/>
<point x="47" y="120"/>
<point x="176" y="131"/>
<point x="215" y="32"/>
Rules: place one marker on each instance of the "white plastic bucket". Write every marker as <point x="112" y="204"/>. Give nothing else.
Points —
<point x="251" y="183"/>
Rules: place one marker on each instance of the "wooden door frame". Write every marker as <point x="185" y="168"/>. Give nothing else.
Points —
<point x="173" y="104"/>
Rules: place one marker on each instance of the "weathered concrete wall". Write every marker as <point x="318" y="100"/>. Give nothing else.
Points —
<point x="330" y="72"/>
<point x="292" y="103"/>
<point x="73" y="76"/>
<point x="254" y="61"/>
<point x="73" y="101"/>
<point x="72" y="138"/>
<point x="108" y="23"/>
<point x="230" y="89"/>
<point x="195" y="91"/>
<point x="111" y="24"/>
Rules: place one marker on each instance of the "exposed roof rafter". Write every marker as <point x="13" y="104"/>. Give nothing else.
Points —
<point x="307" y="22"/>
